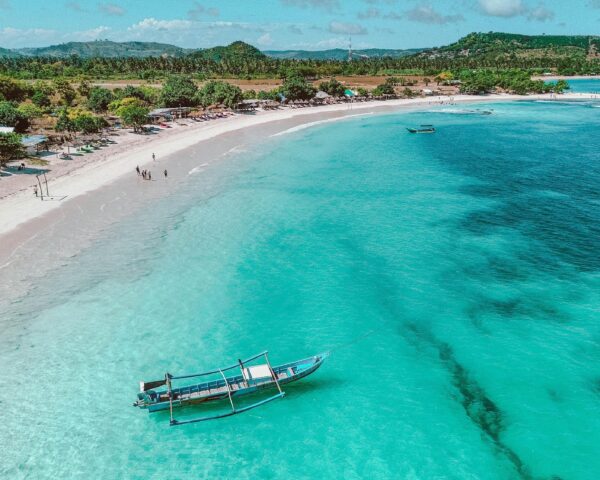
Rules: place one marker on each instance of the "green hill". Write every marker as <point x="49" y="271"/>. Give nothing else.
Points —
<point x="234" y="51"/>
<point x="565" y="53"/>
<point x="494" y="44"/>
<point x="339" y="54"/>
<point x="106" y="49"/>
<point x="6" y="53"/>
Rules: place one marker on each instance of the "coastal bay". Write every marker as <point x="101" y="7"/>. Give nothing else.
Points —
<point x="459" y="267"/>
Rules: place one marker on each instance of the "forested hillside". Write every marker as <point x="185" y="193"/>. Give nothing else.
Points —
<point x="494" y="45"/>
<point x="106" y="49"/>
<point x="560" y="54"/>
<point x="340" y="54"/>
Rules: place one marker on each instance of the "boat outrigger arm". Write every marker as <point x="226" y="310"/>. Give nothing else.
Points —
<point x="253" y="378"/>
<point x="234" y="410"/>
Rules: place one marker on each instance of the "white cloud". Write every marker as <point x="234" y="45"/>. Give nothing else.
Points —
<point x="111" y="9"/>
<point x="251" y="27"/>
<point x="75" y="6"/>
<point x="322" y="44"/>
<point x="186" y="33"/>
<point x="265" y="40"/>
<point x="328" y="5"/>
<point x="190" y="33"/>
<point x="200" y="11"/>
<point x="17" y="37"/>
<point x="347" y="28"/>
<point x="540" y="13"/>
<point x="369" y="13"/>
<point x="426" y="14"/>
<point x="376" y="2"/>
<point x="514" y="8"/>
<point x="179" y="31"/>
<point x="502" y="8"/>
<point x="325" y="44"/>
<point x="91" y="34"/>
<point x="152" y="24"/>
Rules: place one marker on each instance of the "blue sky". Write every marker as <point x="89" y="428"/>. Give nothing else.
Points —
<point x="285" y="24"/>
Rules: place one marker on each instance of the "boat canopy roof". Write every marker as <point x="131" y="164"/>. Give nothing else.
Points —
<point x="257" y="371"/>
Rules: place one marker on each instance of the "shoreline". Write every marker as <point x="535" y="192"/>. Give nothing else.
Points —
<point x="102" y="192"/>
<point x="566" y="77"/>
<point x="22" y="206"/>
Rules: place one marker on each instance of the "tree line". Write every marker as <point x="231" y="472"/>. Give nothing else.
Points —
<point x="152" y="68"/>
<point x="82" y="108"/>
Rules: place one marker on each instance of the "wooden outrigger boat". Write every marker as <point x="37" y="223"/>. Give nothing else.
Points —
<point x="251" y="379"/>
<point x="423" y="129"/>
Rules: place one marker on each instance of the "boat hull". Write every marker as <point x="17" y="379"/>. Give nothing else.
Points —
<point x="416" y="130"/>
<point x="216" y="391"/>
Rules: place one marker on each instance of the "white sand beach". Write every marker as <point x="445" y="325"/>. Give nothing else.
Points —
<point x="565" y="77"/>
<point x="20" y="208"/>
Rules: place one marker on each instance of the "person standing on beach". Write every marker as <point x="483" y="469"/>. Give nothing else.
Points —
<point x="35" y="189"/>
<point x="153" y="157"/>
<point x="137" y="169"/>
<point x="165" y="173"/>
<point x="149" y="175"/>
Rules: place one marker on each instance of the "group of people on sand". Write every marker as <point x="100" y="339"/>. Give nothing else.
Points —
<point x="147" y="174"/>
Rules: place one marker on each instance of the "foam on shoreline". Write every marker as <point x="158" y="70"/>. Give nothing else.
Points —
<point x="318" y="122"/>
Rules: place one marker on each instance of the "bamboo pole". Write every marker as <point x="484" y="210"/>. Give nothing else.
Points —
<point x="273" y="373"/>
<point x="242" y="369"/>
<point x="170" y="397"/>
<point x="228" y="390"/>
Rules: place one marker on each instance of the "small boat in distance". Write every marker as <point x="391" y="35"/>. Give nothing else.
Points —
<point x="422" y="129"/>
<point x="251" y="379"/>
<point x="477" y="111"/>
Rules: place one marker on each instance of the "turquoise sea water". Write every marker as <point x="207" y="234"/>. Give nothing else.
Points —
<point x="454" y="277"/>
<point x="585" y="85"/>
